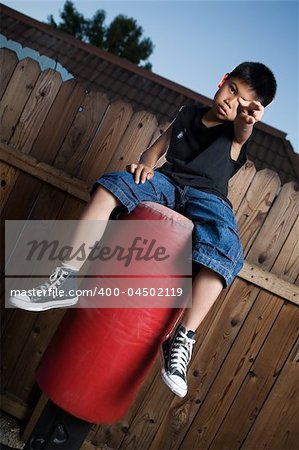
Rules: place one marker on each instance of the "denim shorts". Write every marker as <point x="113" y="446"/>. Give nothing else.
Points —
<point x="215" y="240"/>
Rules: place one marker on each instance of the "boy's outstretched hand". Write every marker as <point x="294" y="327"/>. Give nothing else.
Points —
<point x="250" y="112"/>
<point x="142" y="172"/>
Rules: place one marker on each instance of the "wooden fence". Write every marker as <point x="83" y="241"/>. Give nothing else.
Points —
<point x="56" y="139"/>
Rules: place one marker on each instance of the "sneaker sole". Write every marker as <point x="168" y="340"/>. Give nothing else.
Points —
<point x="17" y="303"/>
<point x="169" y="383"/>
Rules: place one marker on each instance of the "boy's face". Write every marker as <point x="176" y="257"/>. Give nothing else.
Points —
<point x="225" y="104"/>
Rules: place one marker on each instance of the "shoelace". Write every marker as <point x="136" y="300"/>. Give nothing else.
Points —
<point x="181" y="353"/>
<point x="55" y="278"/>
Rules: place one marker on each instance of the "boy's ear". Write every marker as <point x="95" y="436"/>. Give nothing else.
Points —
<point x="223" y="80"/>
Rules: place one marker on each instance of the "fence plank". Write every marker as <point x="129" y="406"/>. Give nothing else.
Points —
<point x="277" y="426"/>
<point x="270" y="282"/>
<point x="136" y="138"/>
<point x="16" y="95"/>
<point x="5" y="313"/>
<point x="106" y="141"/>
<point x="72" y="209"/>
<point x="240" y="183"/>
<point x="58" y="121"/>
<point x="254" y="206"/>
<point x="8" y="177"/>
<point x="8" y="62"/>
<point x="287" y="263"/>
<point x="34" y="418"/>
<point x="44" y="172"/>
<point x="36" y="110"/>
<point x="260" y="379"/>
<point x="81" y="133"/>
<point x="14" y="407"/>
<point x="278" y="222"/>
<point x="14" y="340"/>
<point x="38" y="333"/>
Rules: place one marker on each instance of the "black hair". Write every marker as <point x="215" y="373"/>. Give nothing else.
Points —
<point x="259" y="77"/>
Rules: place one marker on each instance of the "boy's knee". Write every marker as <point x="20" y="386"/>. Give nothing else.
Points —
<point x="105" y="197"/>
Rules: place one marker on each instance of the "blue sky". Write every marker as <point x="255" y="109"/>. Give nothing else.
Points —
<point x="196" y="42"/>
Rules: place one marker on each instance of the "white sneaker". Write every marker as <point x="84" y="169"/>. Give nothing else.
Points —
<point x="59" y="291"/>
<point x="176" y="353"/>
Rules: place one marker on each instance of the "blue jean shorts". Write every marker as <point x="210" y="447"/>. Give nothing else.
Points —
<point x="215" y="240"/>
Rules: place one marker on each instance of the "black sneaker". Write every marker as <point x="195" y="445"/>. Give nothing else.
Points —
<point x="58" y="292"/>
<point x="176" y="353"/>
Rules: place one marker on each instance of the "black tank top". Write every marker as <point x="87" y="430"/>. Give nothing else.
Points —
<point x="199" y="156"/>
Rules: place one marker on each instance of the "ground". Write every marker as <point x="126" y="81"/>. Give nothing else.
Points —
<point x="10" y="433"/>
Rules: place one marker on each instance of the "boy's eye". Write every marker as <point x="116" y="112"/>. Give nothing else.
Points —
<point x="232" y="89"/>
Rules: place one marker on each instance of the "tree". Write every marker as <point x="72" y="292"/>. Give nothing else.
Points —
<point x="123" y="37"/>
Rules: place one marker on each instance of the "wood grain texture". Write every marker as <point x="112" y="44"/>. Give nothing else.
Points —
<point x="106" y="141"/>
<point x="16" y="95"/>
<point x="239" y="184"/>
<point x="36" y="110"/>
<point x="81" y="133"/>
<point x="255" y="206"/>
<point x="8" y="178"/>
<point x="259" y="379"/>
<point x="42" y="171"/>
<point x="134" y="141"/>
<point x="8" y="62"/>
<point x="58" y="121"/>
<point x="277" y="425"/>
<point x="278" y="224"/>
<point x="270" y="282"/>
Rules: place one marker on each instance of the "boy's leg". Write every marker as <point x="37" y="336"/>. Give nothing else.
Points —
<point x="206" y="287"/>
<point x="176" y="351"/>
<point x="216" y="244"/>
<point x="91" y="227"/>
<point x="99" y="208"/>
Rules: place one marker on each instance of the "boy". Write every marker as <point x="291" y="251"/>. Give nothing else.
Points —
<point x="205" y="148"/>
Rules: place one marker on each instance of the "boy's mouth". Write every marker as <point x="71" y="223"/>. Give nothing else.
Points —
<point x="222" y="111"/>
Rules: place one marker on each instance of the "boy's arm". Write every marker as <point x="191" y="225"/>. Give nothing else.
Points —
<point x="144" y="170"/>
<point x="249" y="112"/>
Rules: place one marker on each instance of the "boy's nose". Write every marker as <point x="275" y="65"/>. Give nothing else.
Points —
<point x="231" y="102"/>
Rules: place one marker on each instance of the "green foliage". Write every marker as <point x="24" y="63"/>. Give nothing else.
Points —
<point x="123" y="36"/>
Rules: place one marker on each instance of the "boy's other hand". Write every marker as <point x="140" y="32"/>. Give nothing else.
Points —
<point x="142" y="172"/>
<point x="250" y="112"/>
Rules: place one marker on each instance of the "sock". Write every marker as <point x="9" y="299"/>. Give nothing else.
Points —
<point x="68" y="266"/>
<point x="190" y="333"/>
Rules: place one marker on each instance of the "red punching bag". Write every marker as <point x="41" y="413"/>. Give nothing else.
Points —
<point x="99" y="356"/>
